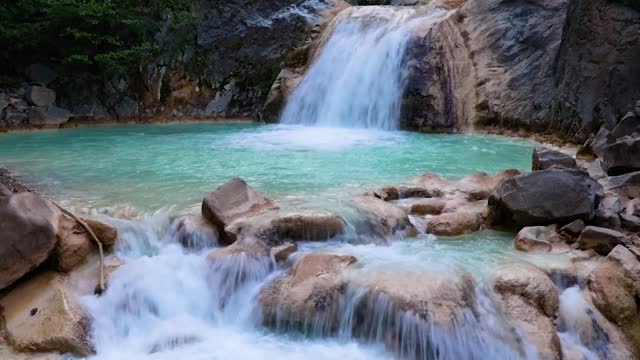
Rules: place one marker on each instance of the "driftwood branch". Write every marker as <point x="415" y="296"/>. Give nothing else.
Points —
<point x="93" y="236"/>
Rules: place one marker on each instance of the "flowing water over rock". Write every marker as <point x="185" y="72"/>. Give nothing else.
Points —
<point x="358" y="79"/>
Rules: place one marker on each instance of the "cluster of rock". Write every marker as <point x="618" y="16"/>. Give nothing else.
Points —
<point x="34" y="103"/>
<point x="40" y="248"/>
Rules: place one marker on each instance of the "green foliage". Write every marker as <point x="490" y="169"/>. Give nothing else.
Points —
<point x="90" y="39"/>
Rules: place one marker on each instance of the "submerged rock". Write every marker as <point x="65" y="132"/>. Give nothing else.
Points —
<point x="42" y="314"/>
<point x="29" y="229"/>
<point x="545" y="158"/>
<point x="529" y="299"/>
<point x="308" y="296"/>
<point x="232" y="201"/>
<point x="544" y="197"/>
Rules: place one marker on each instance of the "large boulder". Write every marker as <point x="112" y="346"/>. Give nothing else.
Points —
<point x="623" y="156"/>
<point x="543" y="198"/>
<point x="545" y="158"/>
<point x="308" y="296"/>
<point x="615" y="289"/>
<point x="40" y="96"/>
<point x="42" y="314"/>
<point x="529" y="299"/>
<point x="455" y="223"/>
<point x="439" y="298"/>
<point x="602" y="240"/>
<point x="29" y="227"/>
<point x="232" y="201"/>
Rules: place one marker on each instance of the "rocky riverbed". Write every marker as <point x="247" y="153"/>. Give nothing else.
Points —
<point x="585" y="209"/>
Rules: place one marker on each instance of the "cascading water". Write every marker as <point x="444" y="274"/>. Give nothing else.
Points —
<point x="358" y="79"/>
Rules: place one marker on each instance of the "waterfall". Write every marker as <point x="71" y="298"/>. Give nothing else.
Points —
<point x="358" y="78"/>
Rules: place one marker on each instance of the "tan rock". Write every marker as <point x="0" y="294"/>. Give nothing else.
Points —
<point x="600" y="239"/>
<point x="281" y="252"/>
<point x="232" y="201"/>
<point x="308" y="295"/>
<point x="529" y="299"/>
<point x="74" y="245"/>
<point x="615" y="288"/>
<point x="42" y="315"/>
<point x="536" y="238"/>
<point x="456" y="223"/>
<point x="438" y="298"/>
<point x="428" y="207"/>
<point x="385" y="218"/>
<point x="106" y="233"/>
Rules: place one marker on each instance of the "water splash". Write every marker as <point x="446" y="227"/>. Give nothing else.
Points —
<point x="358" y="79"/>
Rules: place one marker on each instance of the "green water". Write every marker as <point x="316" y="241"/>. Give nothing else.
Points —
<point x="152" y="166"/>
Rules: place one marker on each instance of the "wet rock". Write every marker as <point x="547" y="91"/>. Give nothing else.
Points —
<point x="405" y="192"/>
<point x="41" y="74"/>
<point x="281" y="252"/>
<point x="29" y="227"/>
<point x="387" y="193"/>
<point x="441" y="299"/>
<point x="42" y="314"/>
<point x="308" y="296"/>
<point x="632" y="207"/>
<point x="194" y="232"/>
<point x="630" y="223"/>
<point x="544" y="197"/>
<point x="615" y="288"/>
<point x="572" y="230"/>
<point x="74" y="245"/>
<point x="275" y="227"/>
<point x="248" y="247"/>
<point x="11" y="182"/>
<point x="545" y="158"/>
<point x="106" y="233"/>
<point x="428" y="207"/>
<point x="629" y="124"/>
<point x="607" y="219"/>
<point x="455" y="223"/>
<point x="7" y="354"/>
<point x="529" y="299"/>
<point x="600" y="239"/>
<point x="49" y="115"/>
<point x="536" y="238"/>
<point x="623" y="156"/>
<point x="383" y="218"/>
<point x="627" y="185"/>
<point x="232" y="201"/>
<point x="40" y="96"/>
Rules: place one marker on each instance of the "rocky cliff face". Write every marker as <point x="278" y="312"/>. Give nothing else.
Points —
<point x="224" y="69"/>
<point x="556" y="66"/>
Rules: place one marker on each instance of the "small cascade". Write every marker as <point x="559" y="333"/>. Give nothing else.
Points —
<point x="358" y="79"/>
